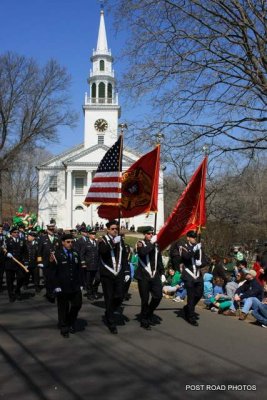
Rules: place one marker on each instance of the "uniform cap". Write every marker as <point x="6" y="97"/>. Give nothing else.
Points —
<point x="66" y="236"/>
<point x="148" y="229"/>
<point x="191" y="234"/>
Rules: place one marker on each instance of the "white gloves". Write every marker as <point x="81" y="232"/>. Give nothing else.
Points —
<point x="81" y="287"/>
<point x="197" y="247"/>
<point x="163" y="278"/>
<point x="117" y="239"/>
<point x="9" y="255"/>
<point x="198" y="263"/>
<point x="40" y="265"/>
<point x="127" y="277"/>
<point x="57" y="290"/>
<point x="153" y="239"/>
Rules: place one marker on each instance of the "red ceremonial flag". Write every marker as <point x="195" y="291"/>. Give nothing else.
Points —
<point x="139" y="188"/>
<point x="106" y="184"/>
<point x="190" y="210"/>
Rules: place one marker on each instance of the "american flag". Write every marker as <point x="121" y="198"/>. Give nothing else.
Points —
<point x="106" y="185"/>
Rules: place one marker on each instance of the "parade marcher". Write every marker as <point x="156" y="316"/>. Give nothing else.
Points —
<point x="66" y="277"/>
<point x="90" y="264"/>
<point x="150" y="276"/>
<point x="113" y="272"/>
<point x="127" y="284"/>
<point x="191" y="259"/>
<point x="15" y="248"/>
<point x="47" y="244"/>
<point x="34" y="272"/>
<point x="2" y="257"/>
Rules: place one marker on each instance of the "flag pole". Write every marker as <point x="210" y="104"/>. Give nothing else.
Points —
<point x="122" y="127"/>
<point x="205" y="149"/>
<point x="159" y="139"/>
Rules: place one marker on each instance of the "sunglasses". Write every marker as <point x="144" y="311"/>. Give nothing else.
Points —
<point x="149" y="233"/>
<point x="68" y="241"/>
<point x="113" y="229"/>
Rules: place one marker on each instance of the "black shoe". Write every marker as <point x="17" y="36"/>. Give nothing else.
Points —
<point x="154" y="319"/>
<point x="196" y="315"/>
<point x="113" y="330"/>
<point x="145" y="324"/>
<point x="12" y="299"/>
<point x="72" y="330"/>
<point x="90" y="297"/>
<point x="65" y="334"/>
<point x="192" y="321"/>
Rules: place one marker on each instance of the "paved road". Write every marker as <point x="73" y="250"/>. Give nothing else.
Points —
<point x="37" y="363"/>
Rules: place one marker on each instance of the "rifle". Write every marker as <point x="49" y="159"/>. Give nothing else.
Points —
<point x="16" y="261"/>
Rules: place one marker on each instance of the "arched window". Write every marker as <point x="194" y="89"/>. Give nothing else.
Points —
<point x="94" y="90"/>
<point x="101" y="91"/>
<point x="79" y="208"/>
<point x="102" y="65"/>
<point x="109" y="91"/>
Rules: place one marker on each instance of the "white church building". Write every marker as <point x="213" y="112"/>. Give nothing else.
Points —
<point x="64" y="179"/>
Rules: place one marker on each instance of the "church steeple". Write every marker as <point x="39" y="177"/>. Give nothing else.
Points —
<point x="101" y="107"/>
<point x="102" y="43"/>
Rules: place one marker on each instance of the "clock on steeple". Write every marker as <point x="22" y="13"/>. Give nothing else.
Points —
<point x="101" y="125"/>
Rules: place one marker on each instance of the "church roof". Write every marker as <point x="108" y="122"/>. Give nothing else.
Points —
<point x="80" y="156"/>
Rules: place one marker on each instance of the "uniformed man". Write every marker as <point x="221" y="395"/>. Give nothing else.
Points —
<point x="66" y="275"/>
<point x="149" y="275"/>
<point x="2" y="257"/>
<point x="48" y="243"/>
<point x="15" y="248"/>
<point x="90" y="263"/>
<point x="190" y="259"/>
<point x="113" y="272"/>
<point x="31" y="262"/>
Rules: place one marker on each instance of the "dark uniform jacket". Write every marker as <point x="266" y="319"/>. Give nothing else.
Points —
<point x="32" y="253"/>
<point x="45" y="247"/>
<point x="18" y="249"/>
<point x="187" y="257"/>
<point x="89" y="254"/>
<point x="107" y="248"/>
<point x="2" y="246"/>
<point x="148" y="254"/>
<point x="66" y="271"/>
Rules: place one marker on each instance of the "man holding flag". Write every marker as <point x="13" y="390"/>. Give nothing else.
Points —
<point x="149" y="275"/>
<point x="190" y="259"/>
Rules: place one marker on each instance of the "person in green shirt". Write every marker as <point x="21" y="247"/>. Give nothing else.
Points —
<point x="172" y="283"/>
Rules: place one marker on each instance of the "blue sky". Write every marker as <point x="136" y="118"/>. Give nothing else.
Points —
<point x="67" y="31"/>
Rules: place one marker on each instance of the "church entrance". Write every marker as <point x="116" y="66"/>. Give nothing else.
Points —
<point x="79" y="216"/>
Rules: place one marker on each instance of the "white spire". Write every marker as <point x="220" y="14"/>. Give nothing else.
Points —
<point x="102" y="44"/>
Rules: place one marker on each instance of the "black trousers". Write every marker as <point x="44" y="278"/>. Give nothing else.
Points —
<point x="91" y="282"/>
<point x="146" y="287"/>
<point x="2" y="270"/>
<point x="194" y="294"/>
<point x="12" y="275"/>
<point x="34" y="274"/>
<point x="113" y="290"/>
<point x="68" y="306"/>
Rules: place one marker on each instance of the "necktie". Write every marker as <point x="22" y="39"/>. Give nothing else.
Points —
<point x="69" y="255"/>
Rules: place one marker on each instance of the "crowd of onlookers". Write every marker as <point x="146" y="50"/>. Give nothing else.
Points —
<point x="232" y="286"/>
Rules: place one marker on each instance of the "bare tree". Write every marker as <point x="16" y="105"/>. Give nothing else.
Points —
<point x="34" y="102"/>
<point x="203" y="66"/>
<point x="20" y="181"/>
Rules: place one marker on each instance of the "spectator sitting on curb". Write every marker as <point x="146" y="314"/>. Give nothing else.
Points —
<point x="259" y="311"/>
<point x="173" y="280"/>
<point x="244" y="294"/>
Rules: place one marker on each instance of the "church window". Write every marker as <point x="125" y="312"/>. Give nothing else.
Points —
<point x="52" y="212"/>
<point x="109" y="92"/>
<point x="79" y="208"/>
<point x="53" y="183"/>
<point x="93" y="90"/>
<point x="102" y="65"/>
<point x="101" y="92"/>
<point x="100" y="139"/>
<point x="79" y="185"/>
